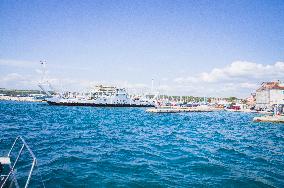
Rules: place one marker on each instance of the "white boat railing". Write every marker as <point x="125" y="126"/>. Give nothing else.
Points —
<point x="5" y="179"/>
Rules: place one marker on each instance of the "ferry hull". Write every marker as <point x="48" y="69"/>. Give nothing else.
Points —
<point x="97" y="105"/>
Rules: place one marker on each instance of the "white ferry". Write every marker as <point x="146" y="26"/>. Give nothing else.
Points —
<point x="101" y="96"/>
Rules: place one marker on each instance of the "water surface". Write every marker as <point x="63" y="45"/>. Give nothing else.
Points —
<point x="127" y="147"/>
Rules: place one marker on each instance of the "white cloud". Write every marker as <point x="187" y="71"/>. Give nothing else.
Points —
<point x="244" y="69"/>
<point x="238" y="70"/>
<point x="16" y="80"/>
<point x="35" y="65"/>
<point x="17" y="63"/>
<point x="238" y="78"/>
<point x="164" y="87"/>
<point x="189" y="79"/>
<point x="19" y="81"/>
<point x="12" y="77"/>
<point x="249" y="85"/>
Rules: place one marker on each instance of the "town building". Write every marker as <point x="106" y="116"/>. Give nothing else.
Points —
<point x="250" y="101"/>
<point x="269" y="95"/>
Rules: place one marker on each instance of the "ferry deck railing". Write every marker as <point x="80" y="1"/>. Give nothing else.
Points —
<point x="5" y="178"/>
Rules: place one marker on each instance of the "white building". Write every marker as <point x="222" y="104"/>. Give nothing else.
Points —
<point x="269" y="94"/>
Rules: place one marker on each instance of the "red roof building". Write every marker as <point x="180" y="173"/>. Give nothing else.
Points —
<point x="269" y="94"/>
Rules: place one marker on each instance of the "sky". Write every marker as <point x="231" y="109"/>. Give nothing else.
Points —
<point x="201" y="48"/>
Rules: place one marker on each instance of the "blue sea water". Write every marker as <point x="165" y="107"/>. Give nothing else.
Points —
<point x="127" y="147"/>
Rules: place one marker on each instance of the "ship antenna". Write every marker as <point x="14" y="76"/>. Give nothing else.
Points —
<point x="43" y="66"/>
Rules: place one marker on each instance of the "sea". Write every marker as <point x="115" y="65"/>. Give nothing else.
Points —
<point x="128" y="147"/>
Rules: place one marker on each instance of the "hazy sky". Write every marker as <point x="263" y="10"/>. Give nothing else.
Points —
<point x="217" y="48"/>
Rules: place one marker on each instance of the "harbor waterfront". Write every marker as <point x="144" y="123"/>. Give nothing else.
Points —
<point x="112" y="147"/>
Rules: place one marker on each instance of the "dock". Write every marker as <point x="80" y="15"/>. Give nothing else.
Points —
<point x="180" y="109"/>
<point x="272" y="119"/>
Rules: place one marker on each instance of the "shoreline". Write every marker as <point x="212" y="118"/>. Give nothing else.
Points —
<point x="19" y="99"/>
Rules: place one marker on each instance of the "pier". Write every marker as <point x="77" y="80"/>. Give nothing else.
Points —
<point x="272" y="119"/>
<point x="180" y="109"/>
